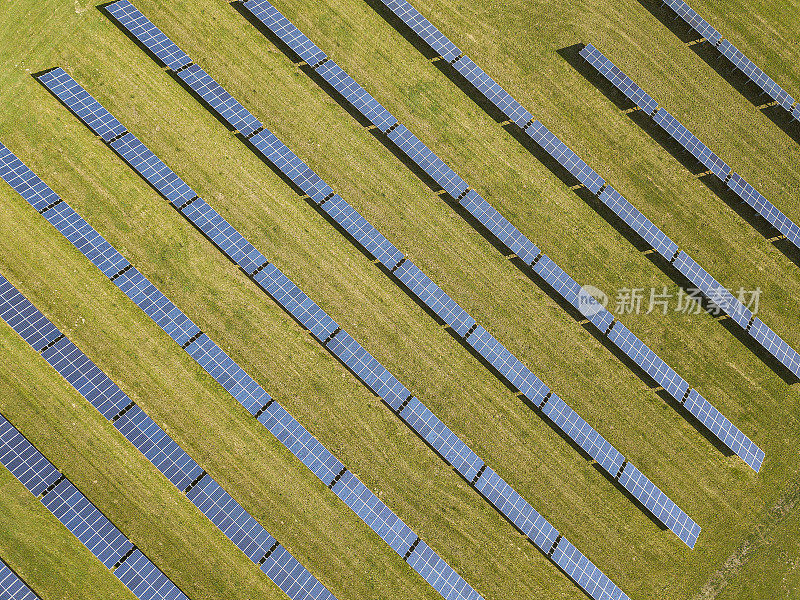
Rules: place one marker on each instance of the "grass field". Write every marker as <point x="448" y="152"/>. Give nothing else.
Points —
<point x="749" y="520"/>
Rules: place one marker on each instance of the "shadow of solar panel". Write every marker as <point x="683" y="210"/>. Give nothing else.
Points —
<point x="24" y="461"/>
<point x="24" y="318"/>
<point x="87" y="109"/>
<point x="372" y="240"/>
<point x="691" y="144"/>
<point x="12" y="587"/>
<point x="24" y="181"/>
<point x="145" y="580"/>
<point x="148" y="34"/>
<point x="228" y="374"/>
<point x="295" y="301"/>
<point x="86" y="378"/>
<point x="579" y="431"/>
<point x="585" y="574"/>
<point x="426" y="160"/>
<point x="155" y="172"/>
<point x="619" y="79"/>
<point x="156" y="306"/>
<point x="233" y="520"/>
<point x="370" y="371"/>
<point x="773" y="344"/>
<point x="550" y="143"/>
<point x="286" y="31"/>
<point x="424" y="29"/>
<point x="160" y="449"/>
<point x="494" y="93"/>
<point x="648" y="361"/>
<point x="500" y="227"/>
<point x="664" y="509"/>
<point x="87" y="523"/>
<point x="439" y="574"/>
<point x="634" y="219"/>
<point x="434" y="298"/>
<point x="516" y="509"/>
<point x="293" y="578"/>
<point x="375" y="513"/>
<point x="356" y="95"/>
<point x="225" y="105"/>
<point x="508" y="365"/>
<point x="439" y="436"/>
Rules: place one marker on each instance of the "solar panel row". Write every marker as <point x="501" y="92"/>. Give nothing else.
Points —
<point x="445" y="307"/>
<point x="668" y="249"/>
<point x="78" y="514"/>
<point x="12" y="587"/>
<point x="736" y="58"/>
<point x="361" y="362"/>
<point x="218" y="364"/>
<point x="161" y="450"/>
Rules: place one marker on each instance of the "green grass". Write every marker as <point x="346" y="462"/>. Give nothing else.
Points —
<point x="517" y="43"/>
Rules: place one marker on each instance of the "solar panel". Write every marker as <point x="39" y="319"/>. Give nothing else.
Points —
<point x="356" y="95"/>
<point x="12" y="587"/>
<point x="292" y="577"/>
<point x="619" y="79"/>
<point x="439" y="574"/>
<point x="581" y="570"/>
<point x="695" y="21"/>
<point x="434" y="298"/>
<point x="24" y="461"/>
<point x="773" y="344"/>
<point x="24" y="181"/>
<point x="756" y="75"/>
<point x="286" y="31"/>
<point x="565" y="157"/>
<point x="148" y="34"/>
<point x="87" y="523"/>
<point x="634" y="219"/>
<point x="691" y="144"/>
<point x="82" y="104"/>
<point x="24" y="318"/>
<point x="225" y="105"/>
<point x="765" y="208"/>
<point x="796" y="112"/>
<point x="145" y="580"/>
<point x="424" y="29"/>
<point x="493" y="92"/>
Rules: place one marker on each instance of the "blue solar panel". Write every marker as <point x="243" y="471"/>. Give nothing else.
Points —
<point x="24" y="461"/>
<point x="500" y="227"/>
<point x="691" y="144"/>
<point x="24" y="318"/>
<point x="619" y="79"/>
<point x="233" y="520"/>
<point x="82" y="104"/>
<point x="634" y="219"/>
<point x="225" y="105"/>
<point x="756" y="75"/>
<point x="493" y="92"/>
<point x="765" y="208"/>
<point x="148" y="34"/>
<point x="375" y="513"/>
<point x="369" y="370"/>
<point x="149" y="166"/>
<point x="439" y="574"/>
<point x="286" y="31"/>
<point x="796" y="112"/>
<point x="295" y="301"/>
<point x="87" y="378"/>
<point x="367" y="236"/>
<point x="773" y="344"/>
<point x="434" y="298"/>
<point x="585" y="574"/>
<point x="24" y="181"/>
<point x="565" y="157"/>
<point x="424" y="29"/>
<point x="508" y="365"/>
<point x="357" y="96"/>
<point x="293" y="578"/>
<point x="87" y="523"/>
<point x="695" y="21"/>
<point x="12" y="587"/>
<point x="426" y="160"/>
<point x="158" y="447"/>
<point x="145" y="580"/>
<point x="516" y="509"/>
<point x="441" y="438"/>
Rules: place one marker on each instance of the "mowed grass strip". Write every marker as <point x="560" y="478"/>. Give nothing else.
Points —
<point x="717" y="491"/>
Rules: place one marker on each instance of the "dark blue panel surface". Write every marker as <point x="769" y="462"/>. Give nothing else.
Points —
<point x="24" y="318"/>
<point x="145" y="580"/>
<point x="24" y="461"/>
<point x="12" y="587"/>
<point x="550" y="143"/>
<point x="285" y="30"/>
